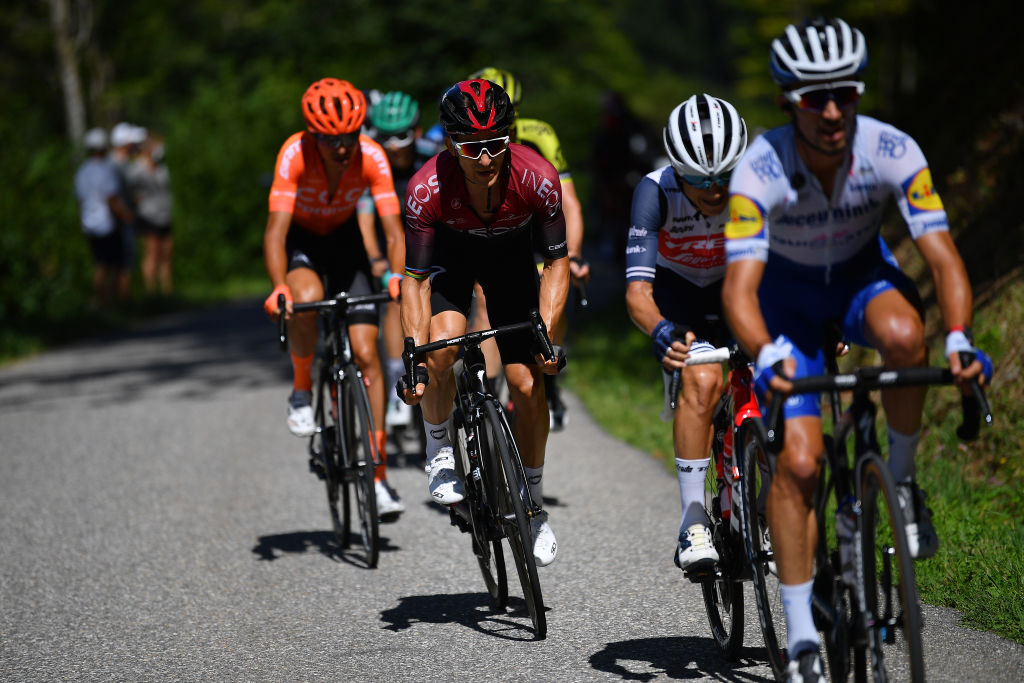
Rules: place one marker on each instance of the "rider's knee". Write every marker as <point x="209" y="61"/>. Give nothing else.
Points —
<point x="701" y="392"/>
<point x="903" y="342"/>
<point x="798" y="468"/>
<point x="440" y="361"/>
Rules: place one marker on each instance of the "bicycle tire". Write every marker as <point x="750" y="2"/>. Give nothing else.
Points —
<point x="507" y="482"/>
<point x="358" y="463"/>
<point x="326" y="450"/>
<point x="486" y="540"/>
<point x="723" y="594"/>
<point x="894" y="640"/>
<point x="755" y="481"/>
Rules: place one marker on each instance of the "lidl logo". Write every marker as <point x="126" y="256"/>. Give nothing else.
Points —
<point x="746" y="219"/>
<point x="921" y="194"/>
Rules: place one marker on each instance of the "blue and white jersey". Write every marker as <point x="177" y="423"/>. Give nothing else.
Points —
<point x="667" y="230"/>
<point x="777" y="205"/>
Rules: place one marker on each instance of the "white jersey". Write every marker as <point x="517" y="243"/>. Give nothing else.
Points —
<point x="777" y="205"/>
<point x="666" y="230"/>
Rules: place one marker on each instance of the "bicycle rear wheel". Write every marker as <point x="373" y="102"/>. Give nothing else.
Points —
<point x="485" y="537"/>
<point x="893" y="611"/>
<point x="359" y="460"/>
<point x="507" y="484"/>
<point x="325" y="450"/>
<point x="723" y="593"/>
<point x="756" y="481"/>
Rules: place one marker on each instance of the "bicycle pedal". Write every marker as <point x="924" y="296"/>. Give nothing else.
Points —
<point x="317" y="468"/>
<point x="702" y="574"/>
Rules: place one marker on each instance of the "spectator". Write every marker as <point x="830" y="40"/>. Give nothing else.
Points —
<point x="150" y="186"/>
<point x="103" y="213"/>
<point x="125" y="139"/>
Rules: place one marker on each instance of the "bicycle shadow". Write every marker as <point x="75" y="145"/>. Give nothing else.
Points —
<point x="468" y="609"/>
<point x="677" y="657"/>
<point x="275" y="546"/>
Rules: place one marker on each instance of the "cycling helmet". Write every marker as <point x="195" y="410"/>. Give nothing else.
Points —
<point x="332" y="106"/>
<point x="396" y="112"/>
<point x="475" y="106"/>
<point x="503" y="78"/>
<point x="704" y="136"/>
<point x="819" y="49"/>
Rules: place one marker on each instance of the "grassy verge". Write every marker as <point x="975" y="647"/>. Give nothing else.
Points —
<point x="976" y="491"/>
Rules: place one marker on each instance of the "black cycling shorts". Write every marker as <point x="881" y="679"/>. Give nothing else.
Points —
<point x="684" y="303"/>
<point x="505" y="268"/>
<point x="339" y="258"/>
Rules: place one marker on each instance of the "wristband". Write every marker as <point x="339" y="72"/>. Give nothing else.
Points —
<point x="378" y="258"/>
<point x="394" y="284"/>
<point x="772" y="352"/>
<point x="661" y="338"/>
<point x="957" y="341"/>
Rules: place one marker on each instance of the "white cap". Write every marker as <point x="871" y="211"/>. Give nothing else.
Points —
<point x="125" y="133"/>
<point x="95" y="138"/>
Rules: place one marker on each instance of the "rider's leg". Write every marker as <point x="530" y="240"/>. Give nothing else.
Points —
<point x="305" y="286"/>
<point x="481" y="321"/>
<point x="692" y="433"/>
<point x="792" y="524"/>
<point x="438" y="397"/>
<point x="364" y="349"/>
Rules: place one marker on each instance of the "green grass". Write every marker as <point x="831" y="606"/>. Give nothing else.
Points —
<point x="975" y="490"/>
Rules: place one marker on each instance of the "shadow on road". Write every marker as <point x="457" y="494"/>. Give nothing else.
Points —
<point x="469" y="609"/>
<point x="682" y="657"/>
<point x="275" y="546"/>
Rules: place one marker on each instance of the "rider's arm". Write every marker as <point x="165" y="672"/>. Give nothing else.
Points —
<point x="573" y="210"/>
<point x="647" y="214"/>
<point x="554" y="290"/>
<point x="367" y="228"/>
<point x="952" y="288"/>
<point x="274" y="253"/>
<point x="742" y="307"/>
<point x="394" y="237"/>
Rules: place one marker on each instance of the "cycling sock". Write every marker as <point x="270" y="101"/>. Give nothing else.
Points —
<point x="902" y="448"/>
<point x="396" y="368"/>
<point x="796" y="601"/>
<point x="692" y="474"/>
<point x="380" y="471"/>
<point x="534" y="477"/>
<point x="302" y="369"/>
<point x="437" y="436"/>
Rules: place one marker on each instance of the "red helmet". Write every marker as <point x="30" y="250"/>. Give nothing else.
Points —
<point x="332" y="107"/>
<point x="476" y="106"/>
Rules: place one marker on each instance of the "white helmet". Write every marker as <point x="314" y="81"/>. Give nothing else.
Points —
<point x="819" y="49"/>
<point x="704" y="136"/>
<point x="95" y="139"/>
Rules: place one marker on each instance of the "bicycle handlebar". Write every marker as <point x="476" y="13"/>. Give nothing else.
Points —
<point x="342" y="300"/>
<point x="723" y="354"/>
<point x="866" y="379"/>
<point x="535" y="323"/>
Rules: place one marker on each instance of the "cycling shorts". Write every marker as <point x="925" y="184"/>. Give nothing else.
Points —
<point x="684" y="303"/>
<point x="505" y="269"/>
<point x="798" y="309"/>
<point x="339" y="258"/>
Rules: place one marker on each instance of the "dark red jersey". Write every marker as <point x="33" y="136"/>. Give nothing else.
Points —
<point x="437" y="199"/>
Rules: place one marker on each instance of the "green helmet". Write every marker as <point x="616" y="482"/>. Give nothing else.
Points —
<point x="396" y="112"/>
<point x="503" y="78"/>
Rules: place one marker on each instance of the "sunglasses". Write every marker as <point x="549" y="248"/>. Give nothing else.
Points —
<point x="474" y="148"/>
<point x="346" y="140"/>
<point x="816" y="97"/>
<point x="403" y="140"/>
<point x="703" y="182"/>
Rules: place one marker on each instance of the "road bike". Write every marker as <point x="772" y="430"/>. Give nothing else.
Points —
<point x="873" y="612"/>
<point x="343" y="449"/>
<point x="498" y="505"/>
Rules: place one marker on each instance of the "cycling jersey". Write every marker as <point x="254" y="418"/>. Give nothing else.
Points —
<point x="300" y="184"/>
<point x="778" y="207"/>
<point x="668" y="231"/>
<point x="437" y="199"/>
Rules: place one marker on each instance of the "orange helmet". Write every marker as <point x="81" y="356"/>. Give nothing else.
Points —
<point x="332" y="106"/>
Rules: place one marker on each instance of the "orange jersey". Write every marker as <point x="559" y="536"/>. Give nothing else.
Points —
<point x="300" y="184"/>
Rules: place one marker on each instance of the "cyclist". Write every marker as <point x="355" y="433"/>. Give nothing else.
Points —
<point x="803" y="247"/>
<point x="394" y="124"/>
<point x="675" y="260"/>
<point x="471" y="215"/>
<point x="312" y="238"/>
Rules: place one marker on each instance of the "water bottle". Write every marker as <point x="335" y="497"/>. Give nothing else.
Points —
<point x="846" y="523"/>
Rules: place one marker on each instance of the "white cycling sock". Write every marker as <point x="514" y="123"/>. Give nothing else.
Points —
<point x="438" y="436"/>
<point x="796" y="601"/>
<point x="692" y="474"/>
<point x="902" y="448"/>
<point x="534" y="477"/>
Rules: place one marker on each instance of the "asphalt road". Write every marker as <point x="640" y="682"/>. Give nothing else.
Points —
<point x="157" y="522"/>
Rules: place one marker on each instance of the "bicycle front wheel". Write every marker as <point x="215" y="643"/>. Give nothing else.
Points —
<point x="893" y="612"/>
<point x="755" y="483"/>
<point x="723" y="593"/>
<point x="511" y="498"/>
<point x="359" y="460"/>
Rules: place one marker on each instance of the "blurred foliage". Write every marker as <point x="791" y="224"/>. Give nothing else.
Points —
<point x="221" y="79"/>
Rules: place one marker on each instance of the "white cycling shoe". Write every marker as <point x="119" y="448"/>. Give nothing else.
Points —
<point x="545" y="547"/>
<point x="300" y="414"/>
<point x="442" y="481"/>
<point x="695" y="550"/>
<point x="389" y="505"/>
<point x="922" y="540"/>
